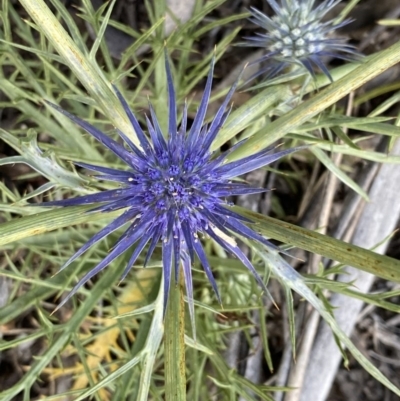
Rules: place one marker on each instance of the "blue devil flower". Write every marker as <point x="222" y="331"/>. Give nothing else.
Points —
<point x="171" y="190"/>
<point x="297" y="35"/>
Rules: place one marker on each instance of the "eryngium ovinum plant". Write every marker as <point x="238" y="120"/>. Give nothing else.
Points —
<point x="173" y="190"/>
<point x="297" y="36"/>
<point x="161" y="196"/>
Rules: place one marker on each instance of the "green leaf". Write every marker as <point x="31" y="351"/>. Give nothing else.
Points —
<point x="89" y="75"/>
<point x="45" y="164"/>
<point x="292" y="279"/>
<point x="146" y="356"/>
<point x="47" y="221"/>
<point x="361" y="153"/>
<point x="246" y="114"/>
<point x="372" y="67"/>
<point x="291" y="318"/>
<point x="343" y="252"/>
<point x="324" y="159"/>
<point x="80" y="314"/>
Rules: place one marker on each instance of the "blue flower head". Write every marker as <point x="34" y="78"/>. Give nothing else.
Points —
<point x="297" y="35"/>
<point x="171" y="190"/>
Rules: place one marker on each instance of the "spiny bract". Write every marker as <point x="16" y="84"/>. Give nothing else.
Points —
<point x="172" y="190"/>
<point x="296" y="34"/>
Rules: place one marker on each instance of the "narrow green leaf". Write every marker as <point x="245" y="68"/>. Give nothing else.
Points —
<point x="372" y="67"/>
<point x="152" y="345"/>
<point x="264" y="337"/>
<point x="37" y="52"/>
<point x="343" y="252"/>
<point x="36" y="369"/>
<point x="291" y="318"/>
<point x="292" y="279"/>
<point x="218" y="23"/>
<point x="387" y="104"/>
<point x="342" y="121"/>
<point x="325" y="160"/>
<point x="344" y="137"/>
<point x="361" y="153"/>
<point x="101" y="32"/>
<point x="256" y="107"/>
<point x="45" y="164"/>
<point x="196" y="345"/>
<point x="136" y="44"/>
<point x="38" y="292"/>
<point x="72" y="27"/>
<point x="47" y="221"/>
<point x="90" y="77"/>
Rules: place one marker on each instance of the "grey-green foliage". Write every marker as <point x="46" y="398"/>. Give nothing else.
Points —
<point x="51" y="236"/>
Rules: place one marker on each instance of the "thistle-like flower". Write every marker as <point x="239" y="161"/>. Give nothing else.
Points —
<point x="297" y="35"/>
<point x="172" y="189"/>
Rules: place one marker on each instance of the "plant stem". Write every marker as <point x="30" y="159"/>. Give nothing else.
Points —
<point x="82" y="66"/>
<point x="372" y="67"/>
<point x="175" y="369"/>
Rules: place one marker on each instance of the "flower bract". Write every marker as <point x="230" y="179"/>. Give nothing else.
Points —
<point x="171" y="190"/>
<point x="297" y="35"/>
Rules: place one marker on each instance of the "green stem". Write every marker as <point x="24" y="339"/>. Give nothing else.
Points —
<point x="175" y="370"/>
<point x="312" y="241"/>
<point x="375" y="65"/>
<point x="85" y="69"/>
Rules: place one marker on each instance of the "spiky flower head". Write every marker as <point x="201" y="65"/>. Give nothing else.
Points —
<point x="172" y="190"/>
<point x="296" y="34"/>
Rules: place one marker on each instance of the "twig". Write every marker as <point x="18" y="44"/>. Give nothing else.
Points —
<point x="298" y="371"/>
<point x="378" y="220"/>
